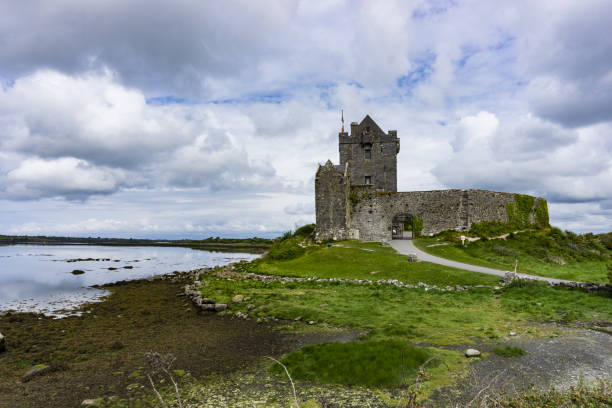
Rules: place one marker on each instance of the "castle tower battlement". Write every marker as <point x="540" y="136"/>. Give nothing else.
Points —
<point x="371" y="154"/>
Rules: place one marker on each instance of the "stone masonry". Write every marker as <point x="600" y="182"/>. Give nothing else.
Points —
<point x="359" y="198"/>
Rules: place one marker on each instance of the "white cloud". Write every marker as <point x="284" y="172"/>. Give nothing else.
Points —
<point x="244" y="101"/>
<point x="66" y="176"/>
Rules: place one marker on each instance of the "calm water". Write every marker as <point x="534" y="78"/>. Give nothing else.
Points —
<point x="35" y="278"/>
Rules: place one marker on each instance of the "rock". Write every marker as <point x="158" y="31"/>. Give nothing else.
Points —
<point x="220" y="307"/>
<point x="509" y="277"/>
<point x="472" y="353"/>
<point x="38" y="369"/>
<point x="208" y="307"/>
<point x="91" y="402"/>
<point x="512" y="334"/>
<point x="238" y="299"/>
<point x="2" y="343"/>
<point x="77" y="272"/>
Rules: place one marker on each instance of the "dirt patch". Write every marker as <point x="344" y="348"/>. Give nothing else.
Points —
<point x="94" y="354"/>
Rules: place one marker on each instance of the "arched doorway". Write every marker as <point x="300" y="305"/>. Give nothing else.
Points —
<point x="401" y="226"/>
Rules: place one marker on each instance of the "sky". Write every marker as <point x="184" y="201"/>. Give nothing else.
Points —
<point x="189" y="119"/>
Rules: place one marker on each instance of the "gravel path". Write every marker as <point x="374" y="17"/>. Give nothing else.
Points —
<point x="407" y="247"/>
<point x="562" y="361"/>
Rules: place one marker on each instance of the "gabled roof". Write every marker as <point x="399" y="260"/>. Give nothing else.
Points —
<point x="368" y="121"/>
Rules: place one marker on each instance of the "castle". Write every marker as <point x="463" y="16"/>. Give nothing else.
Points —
<point x="358" y="198"/>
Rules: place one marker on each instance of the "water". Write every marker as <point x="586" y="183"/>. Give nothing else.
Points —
<point x="38" y="278"/>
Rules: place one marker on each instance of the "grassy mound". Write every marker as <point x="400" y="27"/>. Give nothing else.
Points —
<point x="509" y="351"/>
<point x="374" y="364"/>
<point x="360" y="260"/>
<point x="545" y="252"/>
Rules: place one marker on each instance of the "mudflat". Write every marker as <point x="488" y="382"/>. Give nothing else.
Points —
<point x="97" y="354"/>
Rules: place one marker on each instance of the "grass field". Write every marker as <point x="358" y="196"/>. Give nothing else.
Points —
<point x="547" y="252"/>
<point x="386" y="312"/>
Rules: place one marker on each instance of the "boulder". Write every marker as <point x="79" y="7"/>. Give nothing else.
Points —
<point x="220" y="307"/>
<point x="208" y="307"/>
<point x="472" y="353"/>
<point x="2" y="343"/>
<point x="78" y="272"/>
<point x="238" y="299"/>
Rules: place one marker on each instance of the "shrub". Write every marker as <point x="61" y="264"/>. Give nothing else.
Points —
<point x="417" y="226"/>
<point x="285" y="249"/>
<point x="305" y="231"/>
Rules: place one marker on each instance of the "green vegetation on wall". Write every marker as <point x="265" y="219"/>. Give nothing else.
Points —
<point x="417" y="226"/>
<point x="541" y="213"/>
<point x="518" y="212"/>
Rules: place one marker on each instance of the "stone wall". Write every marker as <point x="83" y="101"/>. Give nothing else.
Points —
<point x="372" y="212"/>
<point x="331" y="192"/>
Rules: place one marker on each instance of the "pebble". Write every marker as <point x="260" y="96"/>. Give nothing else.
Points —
<point x="91" y="402"/>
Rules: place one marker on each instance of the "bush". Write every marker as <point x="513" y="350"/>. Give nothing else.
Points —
<point x="305" y="231"/>
<point x="509" y="351"/>
<point x="285" y="249"/>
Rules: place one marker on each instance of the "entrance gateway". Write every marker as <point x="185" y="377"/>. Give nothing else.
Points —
<point x="401" y="227"/>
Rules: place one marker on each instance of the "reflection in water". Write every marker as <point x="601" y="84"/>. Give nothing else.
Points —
<point x="39" y="279"/>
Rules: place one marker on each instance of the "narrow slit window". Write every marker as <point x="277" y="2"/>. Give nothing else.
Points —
<point x="368" y="153"/>
<point x="368" y="179"/>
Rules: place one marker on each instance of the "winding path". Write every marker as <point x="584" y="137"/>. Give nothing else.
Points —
<point x="407" y="247"/>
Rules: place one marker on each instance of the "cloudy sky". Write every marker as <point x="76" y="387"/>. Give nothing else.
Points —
<point x="197" y="118"/>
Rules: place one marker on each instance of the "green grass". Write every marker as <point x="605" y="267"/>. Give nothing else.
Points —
<point x="372" y="364"/>
<point x="386" y="312"/>
<point x="358" y="260"/>
<point x="545" y="252"/>
<point x="509" y="351"/>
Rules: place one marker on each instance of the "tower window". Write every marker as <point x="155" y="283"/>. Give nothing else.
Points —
<point x="368" y="153"/>
<point x="368" y="179"/>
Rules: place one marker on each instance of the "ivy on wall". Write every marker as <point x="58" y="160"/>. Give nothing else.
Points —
<point x="519" y="212"/>
<point x="541" y="213"/>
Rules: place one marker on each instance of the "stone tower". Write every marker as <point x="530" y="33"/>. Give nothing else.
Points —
<point x="371" y="154"/>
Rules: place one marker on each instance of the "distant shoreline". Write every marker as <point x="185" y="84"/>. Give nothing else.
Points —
<point x="218" y="244"/>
